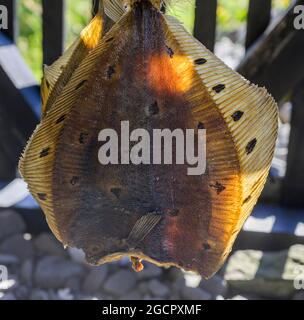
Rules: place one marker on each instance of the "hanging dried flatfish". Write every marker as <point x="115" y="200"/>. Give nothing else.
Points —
<point x="150" y="71"/>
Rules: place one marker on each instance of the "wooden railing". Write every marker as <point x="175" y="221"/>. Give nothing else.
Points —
<point x="258" y="19"/>
<point x="53" y="26"/>
<point x="274" y="59"/>
<point x="259" y="13"/>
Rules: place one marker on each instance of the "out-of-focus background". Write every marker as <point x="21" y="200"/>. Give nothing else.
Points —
<point x="256" y="37"/>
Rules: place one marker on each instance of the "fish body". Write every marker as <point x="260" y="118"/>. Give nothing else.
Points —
<point x="149" y="71"/>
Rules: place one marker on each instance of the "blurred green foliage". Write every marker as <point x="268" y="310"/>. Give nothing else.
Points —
<point x="78" y="13"/>
<point x="30" y="39"/>
<point x="231" y="16"/>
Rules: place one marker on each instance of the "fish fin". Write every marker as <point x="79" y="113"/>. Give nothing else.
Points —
<point x="58" y="74"/>
<point x="36" y="162"/>
<point x="250" y="118"/>
<point x="52" y="73"/>
<point x="143" y="227"/>
<point x="35" y="167"/>
<point x="113" y="9"/>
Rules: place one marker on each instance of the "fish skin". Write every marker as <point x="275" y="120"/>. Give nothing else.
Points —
<point x="101" y="219"/>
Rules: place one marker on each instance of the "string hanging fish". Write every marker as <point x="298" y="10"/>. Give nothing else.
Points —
<point x="145" y="68"/>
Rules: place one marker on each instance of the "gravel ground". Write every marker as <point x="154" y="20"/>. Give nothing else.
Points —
<point x="40" y="269"/>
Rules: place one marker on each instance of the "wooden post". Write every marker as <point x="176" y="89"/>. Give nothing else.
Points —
<point x="293" y="184"/>
<point x="259" y="14"/>
<point x="53" y="29"/>
<point x="276" y="59"/>
<point x="12" y="31"/>
<point x="17" y="122"/>
<point x="205" y="22"/>
<point x="95" y="6"/>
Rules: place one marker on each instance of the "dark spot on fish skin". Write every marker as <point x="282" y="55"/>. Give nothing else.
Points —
<point x="218" y="187"/>
<point x="173" y="212"/>
<point x="110" y="71"/>
<point x="153" y="109"/>
<point x="42" y="196"/>
<point x="200" y="61"/>
<point x="74" y="180"/>
<point x="256" y="183"/>
<point x="82" y="137"/>
<point x="206" y="246"/>
<point x="170" y="52"/>
<point x="251" y="145"/>
<point x="181" y="264"/>
<point x="116" y="192"/>
<point x="218" y="88"/>
<point x="234" y="232"/>
<point x="80" y="84"/>
<point x="45" y="152"/>
<point x="110" y="39"/>
<point x="60" y="119"/>
<point x="237" y="115"/>
<point x="94" y="249"/>
<point x="200" y="125"/>
<point x="247" y="199"/>
<point x="163" y="8"/>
